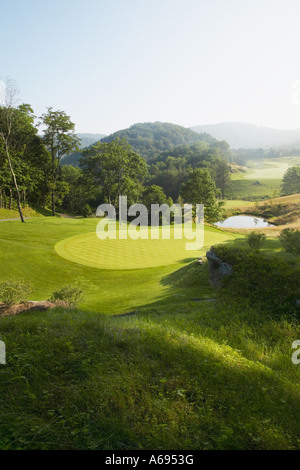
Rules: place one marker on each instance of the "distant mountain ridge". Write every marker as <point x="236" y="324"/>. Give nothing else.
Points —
<point x="150" y="139"/>
<point x="245" y="135"/>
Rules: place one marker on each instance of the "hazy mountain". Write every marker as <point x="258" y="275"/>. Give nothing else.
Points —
<point x="89" y="139"/>
<point x="149" y="139"/>
<point x="86" y="141"/>
<point x="239" y="134"/>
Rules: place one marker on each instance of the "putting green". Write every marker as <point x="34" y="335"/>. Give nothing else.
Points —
<point x="87" y="249"/>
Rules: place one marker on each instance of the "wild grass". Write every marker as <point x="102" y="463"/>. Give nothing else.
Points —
<point x="184" y="376"/>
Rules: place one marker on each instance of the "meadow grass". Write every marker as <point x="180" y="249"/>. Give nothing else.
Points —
<point x="184" y="376"/>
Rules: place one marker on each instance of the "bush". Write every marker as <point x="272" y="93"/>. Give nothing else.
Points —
<point x="256" y="240"/>
<point x="15" y="292"/>
<point x="266" y="283"/>
<point x="87" y="211"/>
<point x="290" y="240"/>
<point x="70" y="295"/>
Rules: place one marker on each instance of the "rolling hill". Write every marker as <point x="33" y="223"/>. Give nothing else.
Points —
<point x="151" y="139"/>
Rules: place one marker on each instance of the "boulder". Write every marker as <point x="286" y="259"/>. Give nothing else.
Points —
<point x="217" y="269"/>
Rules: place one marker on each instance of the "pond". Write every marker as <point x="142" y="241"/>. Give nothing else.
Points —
<point x="244" y="221"/>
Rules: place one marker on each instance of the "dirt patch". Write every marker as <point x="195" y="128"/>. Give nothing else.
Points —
<point x="29" y="307"/>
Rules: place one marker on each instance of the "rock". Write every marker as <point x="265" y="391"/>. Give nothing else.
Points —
<point x="16" y="309"/>
<point x="217" y="269"/>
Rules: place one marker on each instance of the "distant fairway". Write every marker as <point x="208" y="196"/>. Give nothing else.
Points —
<point x="88" y="250"/>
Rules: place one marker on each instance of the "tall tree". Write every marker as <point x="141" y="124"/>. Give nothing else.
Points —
<point x="201" y="189"/>
<point x="16" y="127"/>
<point x="222" y="178"/>
<point x="291" y="181"/>
<point x="116" y="168"/>
<point x="60" y="139"/>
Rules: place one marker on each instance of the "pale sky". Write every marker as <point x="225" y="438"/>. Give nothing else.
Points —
<point x="112" y="63"/>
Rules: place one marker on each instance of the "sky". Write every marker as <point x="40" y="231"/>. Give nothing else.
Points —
<point x="112" y="63"/>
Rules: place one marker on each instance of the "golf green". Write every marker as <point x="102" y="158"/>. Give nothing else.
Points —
<point x="87" y="249"/>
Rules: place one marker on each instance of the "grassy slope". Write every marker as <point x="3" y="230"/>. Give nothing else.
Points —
<point x="282" y="211"/>
<point x="14" y="214"/>
<point x="178" y="375"/>
<point x="248" y="190"/>
<point x="268" y="173"/>
<point x="182" y="376"/>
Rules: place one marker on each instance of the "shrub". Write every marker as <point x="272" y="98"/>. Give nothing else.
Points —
<point x="290" y="240"/>
<point x="87" y="211"/>
<point x="266" y="283"/>
<point x="256" y="240"/>
<point x="70" y="295"/>
<point x="15" y="291"/>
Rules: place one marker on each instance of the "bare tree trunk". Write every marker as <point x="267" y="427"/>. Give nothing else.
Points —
<point x="15" y="183"/>
<point x="1" y="199"/>
<point x="53" y="202"/>
<point x="10" y="199"/>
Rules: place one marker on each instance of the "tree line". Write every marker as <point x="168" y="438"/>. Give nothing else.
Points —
<point x="32" y="170"/>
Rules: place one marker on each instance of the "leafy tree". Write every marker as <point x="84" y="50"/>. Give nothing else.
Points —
<point x="200" y="189"/>
<point x="291" y="181"/>
<point x="154" y="195"/>
<point x="116" y="168"/>
<point x="17" y="134"/>
<point x="290" y="240"/>
<point x="60" y="139"/>
<point x="222" y="176"/>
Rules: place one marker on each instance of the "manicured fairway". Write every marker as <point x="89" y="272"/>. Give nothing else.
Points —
<point x="236" y="203"/>
<point x="28" y="251"/>
<point x="89" y="250"/>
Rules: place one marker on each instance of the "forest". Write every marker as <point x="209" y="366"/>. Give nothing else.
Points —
<point x="152" y="158"/>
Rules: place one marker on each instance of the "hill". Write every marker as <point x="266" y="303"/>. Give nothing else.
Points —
<point x="239" y="134"/>
<point x="86" y="141"/>
<point x="89" y="139"/>
<point x="151" y="138"/>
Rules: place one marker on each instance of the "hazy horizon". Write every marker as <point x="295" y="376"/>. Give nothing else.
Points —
<point x="112" y="63"/>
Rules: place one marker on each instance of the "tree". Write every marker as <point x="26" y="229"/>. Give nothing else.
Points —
<point x="116" y="168"/>
<point x="255" y="240"/>
<point x="222" y="178"/>
<point x="200" y="189"/>
<point x="291" y="181"/>
<point x="154" y="195"/>
<point x="16" y="133"/>
<point x="60" y="139"/>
